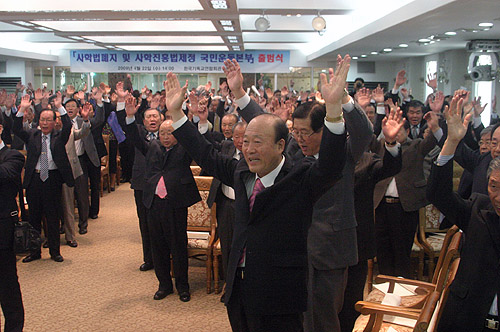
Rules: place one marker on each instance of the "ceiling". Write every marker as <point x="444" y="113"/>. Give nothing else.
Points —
<point x="358" y="27"/>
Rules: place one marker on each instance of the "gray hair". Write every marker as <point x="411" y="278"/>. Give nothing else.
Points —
<point x="494" y="165"/>
<point x="486" y="130"/>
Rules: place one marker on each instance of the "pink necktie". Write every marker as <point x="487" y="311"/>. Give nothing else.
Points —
<point x="257" y="188"/>
<point x="161" y="189"/>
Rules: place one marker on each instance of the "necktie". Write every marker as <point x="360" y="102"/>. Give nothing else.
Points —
<point x="44" y="160"/>
<point x="257" y="188"/>
<point x="115" y="126"/>
<point x="151" y="136"/>
<point x="414" y="131"/>
<point x="161" y="189"/>
<point x="241" y="155"/>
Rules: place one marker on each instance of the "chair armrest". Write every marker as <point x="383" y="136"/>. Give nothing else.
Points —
<point x="369" y="308"/>
<point x="427" y="286"/>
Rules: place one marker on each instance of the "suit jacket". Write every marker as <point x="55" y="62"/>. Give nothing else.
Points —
<point x="331" y="242"/>
<point x="410" y="182"/>
<point x="33" y="141"/>
<point x="88" y="141"/>
<point x="173" y="165"/>
<point x="478" y="276"/>
<point x="477" y="164"/>
<point x="11" y="166"/>
<point x="75" y="135"/>
<point x="227" y="149"/>
<point x="275" y="232"/>
<point x="97" y="127"/>
<point x="369" y="170"/>
<point x="423" y="126"/>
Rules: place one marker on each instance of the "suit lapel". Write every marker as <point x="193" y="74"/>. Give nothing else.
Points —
<point x="493" y="224"/>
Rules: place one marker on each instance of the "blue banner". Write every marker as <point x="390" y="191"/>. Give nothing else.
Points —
<point x="107" y="61"/>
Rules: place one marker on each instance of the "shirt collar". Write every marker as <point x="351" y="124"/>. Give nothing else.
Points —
<point x="2" y="145"/>
<point x="268" y="180"/>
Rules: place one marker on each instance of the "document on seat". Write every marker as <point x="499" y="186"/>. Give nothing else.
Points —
<point x="198" y="235"/>
<point x="399" y="289"/>
<point x="395" y="300"/>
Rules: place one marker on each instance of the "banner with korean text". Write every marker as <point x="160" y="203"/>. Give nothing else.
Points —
<point x="107" y="61"/>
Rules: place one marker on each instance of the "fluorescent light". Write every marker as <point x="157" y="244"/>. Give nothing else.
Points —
<point x="126" y="25"/>
<point x="486" y="25"/>
<point x="450" y="33"/>
<point x="288" y="15"/>
<point x="48" y="68"/>
<point x="174" y="48"/>
<point x="354" y="58"/>
<point x="157" y="39"/>
<point x="228" y="28"/>
<point x="76" y="37"/>
<point x="43" y="28"/>
<point x="232" y="37"/>
<point x="403" y="45"/>
<point x="219" y="4"/>
<point x="374" y="53"/>
<point x="225" y="22"/>
<point x="432" y="42"/>
<point x="298" y="15"/>
<point x="387" y="49"/>
<point x="233" y="41"/>
<point x="424" y="40"/>
<point x="236" y="48"/>
<point x="26" y="24"/>
<point x="363" y="55"/>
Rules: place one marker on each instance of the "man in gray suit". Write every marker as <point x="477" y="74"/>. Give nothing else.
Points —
<point x="90" y="162"/>
<point x="331" y="242"/>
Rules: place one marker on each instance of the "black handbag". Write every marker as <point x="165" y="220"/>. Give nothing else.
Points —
<point x="26" y="238"/>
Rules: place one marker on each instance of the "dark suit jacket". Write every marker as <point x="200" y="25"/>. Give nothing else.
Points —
<point x="369" y="170"/>
<point x="33" y="141"/>
<point x="423" y="126"/>
<point x="227" y="149"/>
<point x="477" y="164"/>
<point x="478" y="276"/>
<point x="275" y="232"/>
<point x="173" y="165"/>
<point x="411" y="182"/>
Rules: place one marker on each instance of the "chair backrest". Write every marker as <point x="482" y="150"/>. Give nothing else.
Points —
<point x="446" y="243"/>
<point x="429" y="219"/>
<point x="200" y="216"/>
<point x="196" y="170"/>
<point x="105" y="159"/>
<point x="451" y="254"/>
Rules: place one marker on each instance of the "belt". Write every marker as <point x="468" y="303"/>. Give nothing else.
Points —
<point x="492" y="323"/>
<point x="391" y="200"/>
<point x="240" y="272"/>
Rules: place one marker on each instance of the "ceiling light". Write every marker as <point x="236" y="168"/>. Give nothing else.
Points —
<point x="26" y="24"/>
<point x="374" y="53"/>
<point x="219" y="4"/>
<point x="403" y="45"/>
<point x="387" y="49"/>
<point x="298" y="15"/>
<point x="236" y="48"/>
<point x="354" y="58"/>
<point x="485" y="25"/>
<point x="319" y="23"/>
<point x="363" y="55"/>
<point x="225" y="22"/>
<point x="262" y="24"/>
<point x="232" y="37"/>
<point x="48" y="68"/>
<point x="450" y="33"/>
<point x="424" y="40"/>
<point x="475" y="31"/>
<point x="432" y="42"/>
<point x="228" y="28"/>
<point x="43" y="28"/>
<point x="288" y="15"/>
<point x="76" y="37"/>
<point x="233" y="41"/>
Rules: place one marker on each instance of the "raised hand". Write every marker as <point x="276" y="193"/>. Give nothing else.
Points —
<point x="174" y="96"/>
<point x="85" y="111"/>
<point x="284" y="92"/>
<point x="120" y="92"/>
<point x="400" y="79"/>
<point x="333" y="90"/>
<point x="97" y="95"/>
<point x="70" y="90"/>
<point x="131" y="106"/>
<point x="234" y="77"/>
<point x="453" y="114"/>
<point x="478" y="109"/>
<point x="20" y="87"/>
<point x="58" y="100"/>
<point x="105" y="89"/>
<point x="405" y="93"/>
<point x="432" y="121"/>
<point x="437" y="103"/>
<point x="38" y="95"/>
<point x="80" y="95"/>
<point x="155" y="102"/>
<point x="25" y="103"/>
<point x="208" y="88"/>
<point x="392" y="123"/>
<point x="203" y="111"/>
<point x="3" y="97"/>
<point x="144" y="90"/>
<point x="432" y="81"/>
<point x="494" y="104"/>
<point x="364" y="96"/>
<point x="378" y="94"/>
<point x="224" y="90"/>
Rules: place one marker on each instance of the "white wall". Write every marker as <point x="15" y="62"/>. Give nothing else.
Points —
<point x="15" y="68"/>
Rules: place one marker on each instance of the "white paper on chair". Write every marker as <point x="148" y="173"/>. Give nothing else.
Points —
<point x="395" y="300"/>
<point x="401" y="290"/>
<point x="391" y="329"/>
<point x="198" y="235"/>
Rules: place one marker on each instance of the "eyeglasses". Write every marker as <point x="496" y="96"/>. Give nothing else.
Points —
<point x="46" y="120"/>
<point x="302" y="134"/>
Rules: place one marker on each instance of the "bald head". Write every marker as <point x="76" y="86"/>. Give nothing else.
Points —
<point x="166" y="138"/>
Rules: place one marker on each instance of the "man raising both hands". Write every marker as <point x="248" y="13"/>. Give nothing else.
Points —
<point x="267" y="268"/>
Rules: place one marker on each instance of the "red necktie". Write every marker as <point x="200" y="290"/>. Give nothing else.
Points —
<point x="161" y="189"/>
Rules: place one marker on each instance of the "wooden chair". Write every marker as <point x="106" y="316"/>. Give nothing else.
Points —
<point x="217" y="255"/>
<point x="201" y="226"/>
<point x="105" y="167"/>
<point x="425" y="312"/>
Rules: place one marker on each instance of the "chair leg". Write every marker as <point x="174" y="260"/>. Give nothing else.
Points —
<point x="100" y="189"/>
<point x="109" y="183"/>
<point x="421" y="255"/>
<point x="216" y="273"/>
<point x="209" y="273"/>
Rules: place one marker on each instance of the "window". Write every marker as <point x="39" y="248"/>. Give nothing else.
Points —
<point x="483" y="89"/>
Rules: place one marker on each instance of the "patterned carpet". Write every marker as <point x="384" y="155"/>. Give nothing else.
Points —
<point x="99" y="287"/>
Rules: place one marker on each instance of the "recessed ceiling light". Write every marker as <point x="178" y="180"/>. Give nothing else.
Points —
<point x="225" y="22"/>
<point x="403" y="45"/>
<point x="43" y="28"/>
<point x="232" y="37"/>
<point x="236" y="48"/>
<point x="424" y="40"/>
<point x="228" y="28"/>
<point x="486" y="25"/>
<point x="26" y="24"/>
<point x="288" y="15"/>
<point x="298" y="15"/>
<point x="76" y="37"/>
<point x="475" y="31"/>
<point x="374" y="53"/>
<point x="432" y="42"/>
<point x="387" y="49"/>
<point x="219" y="4"/>
<point x="363" y="55"/>
<point x="48" y="68"/>
<point x="450" y="33"/>
<point x="233" y="41"/>
<point x="354" y="58"/>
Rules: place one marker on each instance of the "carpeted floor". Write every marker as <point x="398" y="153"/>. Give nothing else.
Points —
<point x="99" y="287"/>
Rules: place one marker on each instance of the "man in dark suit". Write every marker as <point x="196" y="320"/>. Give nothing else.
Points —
<point x="415" y="116"/>
<point x="169" y="190"/>
<point x="47" y="168"/>
<point x="472" y="303"/>
<point x="267" y="271"/>
<point x="148" y="131"/>
<point x="90" y="163"/>
<point x="331" y="242"/>
<point x="11" y="165"/>
<point x="397" y="201"/>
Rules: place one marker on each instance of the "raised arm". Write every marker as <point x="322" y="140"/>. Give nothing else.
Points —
<point x="131" y="127"/>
